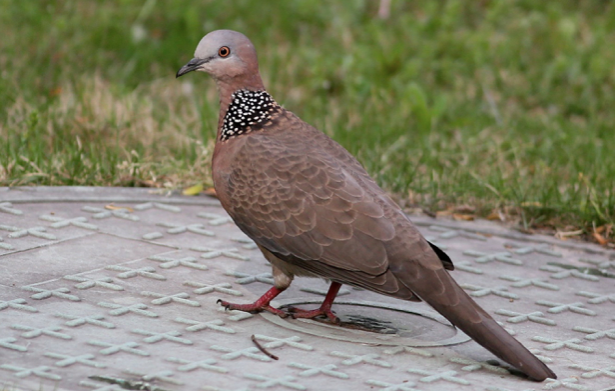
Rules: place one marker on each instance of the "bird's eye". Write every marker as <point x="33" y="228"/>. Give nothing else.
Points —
<point x="224" y="51"/>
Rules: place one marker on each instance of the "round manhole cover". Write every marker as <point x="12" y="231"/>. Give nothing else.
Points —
<point x="374" y="323"/>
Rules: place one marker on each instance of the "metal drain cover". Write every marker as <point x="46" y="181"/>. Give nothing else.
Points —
<point x="375" y="323"/>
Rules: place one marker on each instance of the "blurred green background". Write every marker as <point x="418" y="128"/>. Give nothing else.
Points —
<point x="488" y="108"/>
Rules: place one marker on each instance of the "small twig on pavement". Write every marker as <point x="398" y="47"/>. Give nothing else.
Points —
<point x="262" y="349"/>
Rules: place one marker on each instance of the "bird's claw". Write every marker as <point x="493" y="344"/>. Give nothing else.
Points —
<point x="224" y="304"/>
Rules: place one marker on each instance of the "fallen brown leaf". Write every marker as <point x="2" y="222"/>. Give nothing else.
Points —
<point x="465" y="209"/>
<point x="494" y="216"/>
<point x="599" y="238"/>
<point x="566" y="234"/>
<point x="463" y="217"/>
<point x="114" y="207"/>
<point x="149" y="183"/>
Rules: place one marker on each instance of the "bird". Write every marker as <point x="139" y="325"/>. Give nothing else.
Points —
<point x="314" y="211"/>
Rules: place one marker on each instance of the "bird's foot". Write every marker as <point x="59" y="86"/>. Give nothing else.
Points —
<point x="296" y="313"/>
<point x="324" y="310"/>
<point x="253" y="308"/>
<point x="262" y="304"/>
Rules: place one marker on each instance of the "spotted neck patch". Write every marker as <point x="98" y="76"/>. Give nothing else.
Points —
<point x="247" y="109"/>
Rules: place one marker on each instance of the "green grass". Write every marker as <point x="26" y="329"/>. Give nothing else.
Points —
<point x="499" y="105"/>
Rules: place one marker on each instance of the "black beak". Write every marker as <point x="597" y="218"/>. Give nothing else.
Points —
<point x="192" y="65"/>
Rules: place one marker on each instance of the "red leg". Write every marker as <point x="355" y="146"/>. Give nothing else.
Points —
<point x="262" y="304"/>
<point x="325" y="307"/>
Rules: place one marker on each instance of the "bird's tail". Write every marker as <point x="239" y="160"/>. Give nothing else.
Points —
<point x="481" y="327"/>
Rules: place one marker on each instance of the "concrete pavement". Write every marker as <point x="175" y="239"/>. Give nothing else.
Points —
<point x="115" y="288"/>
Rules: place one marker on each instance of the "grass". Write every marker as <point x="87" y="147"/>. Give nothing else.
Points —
<point x="483" y="108"/>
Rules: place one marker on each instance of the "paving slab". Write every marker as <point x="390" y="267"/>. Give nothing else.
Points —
<point x="116" y="288"/>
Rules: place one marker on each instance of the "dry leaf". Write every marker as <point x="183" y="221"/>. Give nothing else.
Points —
<point x="113" y="207"/>
<point x="465" y="209"/>
<point x="494" y="216"/>
<point x="563" y="235"/>
<point x="210" y="192"/>
<point x="599" y="238"/>
<point x="531" y="203"/>
<point x="463" y="217"/>
<point x="149" y="183"/>
<point x="192" y="190"/>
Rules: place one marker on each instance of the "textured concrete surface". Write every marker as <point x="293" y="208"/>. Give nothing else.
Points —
<point x="113" y="289"/>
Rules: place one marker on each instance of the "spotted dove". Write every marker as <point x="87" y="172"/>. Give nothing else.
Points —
<point x="314" y="211"/>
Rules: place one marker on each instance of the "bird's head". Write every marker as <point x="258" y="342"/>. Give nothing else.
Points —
<point x="228" y="56"/>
